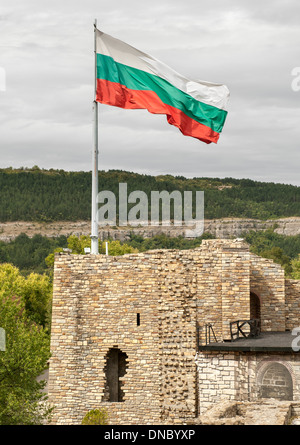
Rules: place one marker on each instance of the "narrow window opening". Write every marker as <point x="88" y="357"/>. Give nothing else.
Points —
<point x="115" y="369"/>
<point x="138" y="319"/>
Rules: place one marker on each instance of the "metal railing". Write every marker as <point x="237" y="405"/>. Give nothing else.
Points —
<point x="208" y="331"/>
<point x="244" y="328"/>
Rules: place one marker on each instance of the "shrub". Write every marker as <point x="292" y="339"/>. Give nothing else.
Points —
<point x="96" y="417"/>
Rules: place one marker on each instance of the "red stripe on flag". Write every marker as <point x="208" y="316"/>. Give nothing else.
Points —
<point x="112" y="93"/>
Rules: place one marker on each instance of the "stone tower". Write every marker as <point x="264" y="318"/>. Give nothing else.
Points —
<point x="126" y="330"/>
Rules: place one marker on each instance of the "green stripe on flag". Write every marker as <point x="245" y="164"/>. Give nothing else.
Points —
<point x="136" y="79"/>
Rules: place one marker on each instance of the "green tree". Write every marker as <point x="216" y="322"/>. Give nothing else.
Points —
<point x="78" y="244"/>
<point x="276" y="254"/>
<point x="164" y="241"/>
<point x="49" y="260"/>
<point x="115" y="248"/>
<point x="11" y="281"/>
<point x="22" y="401"/>
<point x="28" y="254"/>
<point x="35" y="292"/>
<point x="269" y="244"/>
<point x="295" y="272"/>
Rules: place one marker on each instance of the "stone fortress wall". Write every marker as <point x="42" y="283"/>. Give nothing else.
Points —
<point x="126" y="331"/>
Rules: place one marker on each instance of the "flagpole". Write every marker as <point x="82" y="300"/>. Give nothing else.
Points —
<point x="94" y="222"/>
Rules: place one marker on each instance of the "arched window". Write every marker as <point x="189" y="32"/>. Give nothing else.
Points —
<point x="115" y="368"/>
<point x="276" y="382"/>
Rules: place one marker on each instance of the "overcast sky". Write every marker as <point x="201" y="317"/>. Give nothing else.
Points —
<point x="46" y="53"/>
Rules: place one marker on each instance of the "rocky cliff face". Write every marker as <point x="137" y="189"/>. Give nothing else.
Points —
<point x="227" y="228"/>
<point x="219" y="228"/>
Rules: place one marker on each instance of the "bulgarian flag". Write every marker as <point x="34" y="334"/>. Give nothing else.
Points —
<point x="129" y="78"/>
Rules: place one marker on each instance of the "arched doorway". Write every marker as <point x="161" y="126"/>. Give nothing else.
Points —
<point x="254" y="306"/>
<point x="276" y="382"/>
<point x="115" y="368"/>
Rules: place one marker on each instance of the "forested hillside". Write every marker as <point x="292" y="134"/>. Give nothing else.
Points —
<point x="53" y="195"/>
<point x="26" y="262"/>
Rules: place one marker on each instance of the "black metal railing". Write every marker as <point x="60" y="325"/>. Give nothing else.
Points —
<point x="244" y="329"/>
<point x="208" y="333"/>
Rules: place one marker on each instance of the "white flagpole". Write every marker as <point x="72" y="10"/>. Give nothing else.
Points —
<point x="94" y="222"/>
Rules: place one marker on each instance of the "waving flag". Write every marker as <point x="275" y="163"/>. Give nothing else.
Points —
<point x="129" y="78"/>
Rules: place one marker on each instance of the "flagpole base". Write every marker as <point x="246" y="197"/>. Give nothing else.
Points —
<point x="94" y="245"/>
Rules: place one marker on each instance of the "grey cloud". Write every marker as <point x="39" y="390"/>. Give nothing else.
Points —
<point x="251" y="46"/>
